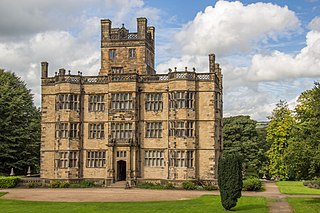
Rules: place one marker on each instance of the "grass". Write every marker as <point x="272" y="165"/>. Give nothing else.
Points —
<point x="3" y="193"/>
<point x="205" y="203"/>
<point x="302" y="205"/>
<point x="295" y="187"/>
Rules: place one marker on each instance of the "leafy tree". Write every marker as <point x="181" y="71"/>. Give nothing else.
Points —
<point x="278" y="135"/>
<point x="19" y="126"/>
<point x="303" y="157"/>
<point x="230" y="180"/>
<point x="240" y="136"/>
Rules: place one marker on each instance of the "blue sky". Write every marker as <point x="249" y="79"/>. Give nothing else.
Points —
<point x="268" y="50"/>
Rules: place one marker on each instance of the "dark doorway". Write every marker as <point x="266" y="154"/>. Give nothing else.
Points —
<point x="121" y="170"/>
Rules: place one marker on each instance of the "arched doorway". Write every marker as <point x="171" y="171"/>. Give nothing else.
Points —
<point x="121" y="170"/>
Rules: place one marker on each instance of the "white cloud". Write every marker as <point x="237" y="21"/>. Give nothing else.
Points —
<point x="279" y="65"/>
<point x="315" y="24"/>
<point x="233" y="27"/>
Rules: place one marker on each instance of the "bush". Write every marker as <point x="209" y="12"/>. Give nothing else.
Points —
<point x="150" y="185"/>
<point x="9" y="182"/>
<point x="169" y="185"/>
<point x="55" y="184"/>
<point x="312" y="183"/>
<point x="34" y="185"/>
<point x="64" y="184"/>
<point x="252" y="184"/>
<point x="210" y="187"/>
<point x="87" y="184"/>
<point x="230" y="180"/>
<point x="187" y="185"/>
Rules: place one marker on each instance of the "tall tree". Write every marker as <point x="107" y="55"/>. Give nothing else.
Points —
<point x="278" y="135"/>
<point x="304" y="156"/>
<point x="230" y="180"/>
<point x="19" y="126"/>
<point x="240" y="136"/>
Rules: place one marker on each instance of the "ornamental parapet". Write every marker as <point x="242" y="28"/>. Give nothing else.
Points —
<point x="171" y="76"/>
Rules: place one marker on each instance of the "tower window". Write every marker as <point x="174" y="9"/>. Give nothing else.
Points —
<point x="112" y="54"/>
<point x="132" y="53"/>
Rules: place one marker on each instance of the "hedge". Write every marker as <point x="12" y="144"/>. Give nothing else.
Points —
<point x="9" y="182"/>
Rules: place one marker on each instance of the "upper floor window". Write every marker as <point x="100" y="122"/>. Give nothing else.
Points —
<point x="182" y="99"/>
<point x="154" y="130"/>
<point x="154" y="102"/>
<point x="68" y="101"/>
<point x="132" y="53"/>
<point x="96" y="103"/>
<point x="121" y="130"/>
<point x="67" y="130"/>
<point x="181" y="129"/>
<point x="217" y="100"/>
<point x="96" y="130"/>
<point x="112" y="54"/>
<point x="117" y="70"/>
<point x="121" y="101"/>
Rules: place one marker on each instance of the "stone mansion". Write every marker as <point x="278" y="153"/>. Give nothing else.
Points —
<point x="128" y="122"/>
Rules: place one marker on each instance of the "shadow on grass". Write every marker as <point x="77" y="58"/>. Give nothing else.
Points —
<point x="250" y="207"/>
<point x="3" y="193"/>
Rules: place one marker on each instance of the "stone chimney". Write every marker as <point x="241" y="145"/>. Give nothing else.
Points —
<point x="44" y="69"/>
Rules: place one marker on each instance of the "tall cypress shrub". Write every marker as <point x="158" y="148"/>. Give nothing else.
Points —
<point x="230" y="180"/>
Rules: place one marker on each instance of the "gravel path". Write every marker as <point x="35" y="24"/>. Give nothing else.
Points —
<point x="276" y="201"/>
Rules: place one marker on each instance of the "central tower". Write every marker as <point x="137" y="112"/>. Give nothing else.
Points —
<point x="123" y="52"/>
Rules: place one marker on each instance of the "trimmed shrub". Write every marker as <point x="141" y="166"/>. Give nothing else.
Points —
<point x="9" y="182"/>
<point x="251" y="184"/>
<point x="230" y="180"/>
<point x="187" y="185"/>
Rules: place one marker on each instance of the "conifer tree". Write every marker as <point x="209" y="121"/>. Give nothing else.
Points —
<point x="230" y="180"/>
<point x="19" y="126"/>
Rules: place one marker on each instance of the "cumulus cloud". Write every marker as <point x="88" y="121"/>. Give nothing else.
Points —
<point x="67" y="34"/>
<point x="28" y="17"/>
<point x="279" y="65"/>
<point x="315" y="24"/>
<point x="232" y="27"/>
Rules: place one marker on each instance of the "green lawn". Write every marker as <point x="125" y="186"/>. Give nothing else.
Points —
<point x="302" y="205"/>
<point x="3" y="193"/>
<point x="202" y="204"/>
<point x="295" y="187"/>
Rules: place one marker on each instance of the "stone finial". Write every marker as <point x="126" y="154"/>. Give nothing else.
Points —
<point x="186" y="69"/>
<point x="69" y="72"/>
<point x="12" y="172"/>
<point x="175" y="69"/>
<point x="170" y="70"/>
<point x="29" y="172"/>
<point x="194" y="69"/>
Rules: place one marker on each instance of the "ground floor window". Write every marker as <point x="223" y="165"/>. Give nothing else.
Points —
<point x="96" y="159"/>
<point x="68" y="159"/>
<point x="154" y="158"/>
<point x="182" y="158"/>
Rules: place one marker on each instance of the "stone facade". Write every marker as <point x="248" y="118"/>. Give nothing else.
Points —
<point x="129" y="122"/>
